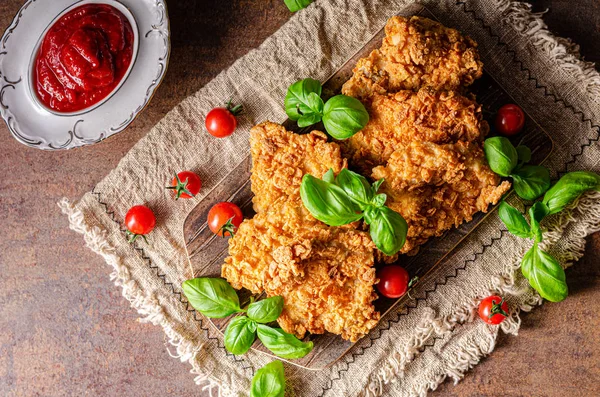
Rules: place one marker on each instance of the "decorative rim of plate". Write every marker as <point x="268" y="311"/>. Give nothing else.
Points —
<point x="72" y="137"/>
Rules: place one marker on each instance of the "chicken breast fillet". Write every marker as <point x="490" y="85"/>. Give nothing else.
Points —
<point x="325" y="274"/>
<point x="281" y="158"/>
<point x="416" y="52"/>
<point x="437" y="187"/>
<point x="398" y="119"/>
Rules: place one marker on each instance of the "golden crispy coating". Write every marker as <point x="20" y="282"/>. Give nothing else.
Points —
<point x="398" y="119"/>
<point x="416" y="52"/>
<point x="438" y="187"/>
<point x="325" y="274"/>
<point x="281" y="158"/>
<point x="327" y="284"/>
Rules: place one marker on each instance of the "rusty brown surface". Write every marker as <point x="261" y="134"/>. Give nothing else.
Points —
<point x="66" y="330"/>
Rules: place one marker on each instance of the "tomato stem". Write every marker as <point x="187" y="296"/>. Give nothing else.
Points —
<point x="228" y="227"/>
<point x="132" y="237"/>
<point x="180" y="187"/>
<point x="235" y="110"/>
<point x="497" y="309"/>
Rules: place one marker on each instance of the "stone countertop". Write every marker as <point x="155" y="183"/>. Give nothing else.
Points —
<point x="66" y="330"/>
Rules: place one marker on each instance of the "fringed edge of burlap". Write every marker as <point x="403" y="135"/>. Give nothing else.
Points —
<point x="586" y="212"/>
<point x="147" y="306"/>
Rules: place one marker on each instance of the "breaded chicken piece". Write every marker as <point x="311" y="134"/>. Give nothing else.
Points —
<point x="416" y="52"/>
<point x="281" y="158"/>
<point x="284" y="251"/>
<point x="326" y="283"/>
<point x="398" y="119"/>
<point x="438" y="187"/>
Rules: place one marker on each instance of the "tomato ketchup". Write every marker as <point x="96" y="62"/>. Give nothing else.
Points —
<point x="83" y="57"/>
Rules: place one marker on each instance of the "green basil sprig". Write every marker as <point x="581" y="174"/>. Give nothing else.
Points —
<point x="342" y="116"/>
<point x="215" y="298"/>
<point x="349" y="197"/>
<point x="269" y="381"/>
<point x="542" y="270"/>
<point x="282" y="344"/>
<point x="296" y="5"/>
<point x="530" y="181"/>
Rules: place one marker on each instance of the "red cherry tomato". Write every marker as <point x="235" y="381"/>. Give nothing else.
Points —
<point x="493" y="309"/>
<point x="221" y="122"/>
<point x="139" y="220"/>
<point x="510" y="120"/>
<point x="224" y="219"/>
<point x="393" y="281"/>
<point x="186" y="185"/>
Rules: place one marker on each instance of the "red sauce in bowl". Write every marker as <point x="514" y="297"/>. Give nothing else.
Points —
<point x="83" y="57"/>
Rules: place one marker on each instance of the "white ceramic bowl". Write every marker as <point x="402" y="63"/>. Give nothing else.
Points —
<point x="34" y="124"/>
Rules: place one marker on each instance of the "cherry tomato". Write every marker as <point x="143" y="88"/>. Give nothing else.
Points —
<point x="221" y="122"/>
<point x="186" y="185"/>
<point x="493" y="309"/>
<point x="393" y="281"/>
<point x="224" y="219"/>
<point x="510" y="120"/>
<point x="140" y="220"/>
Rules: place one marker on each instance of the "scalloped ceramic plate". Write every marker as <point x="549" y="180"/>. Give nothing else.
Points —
<point x="33" y="124"/>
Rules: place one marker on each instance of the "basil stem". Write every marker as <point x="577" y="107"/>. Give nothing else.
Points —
<point x="269" y="381"/>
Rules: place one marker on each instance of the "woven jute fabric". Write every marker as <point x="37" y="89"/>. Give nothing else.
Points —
<point x="433" y="336"/>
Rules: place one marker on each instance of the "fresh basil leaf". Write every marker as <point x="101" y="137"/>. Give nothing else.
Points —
<point x="297" y="5"/>
<point x="240" y="335"/>
<point x="544" y="274"/>
<point x="514" y="220"/>
<point x="328" y="202"/>
<point x="356" y="187"/>
<point x="568" y="188"/>
<point x="344" y="116"/>
<point x="269" y="381"/>
<point x="379" y="200"/>
<point x="213" y="297"/>
<point x="523" y="154"/>
<point x="531" y="181"/>
<point x="297" y="101"/>
<point x="309" y="119"/>
<point x="266" y="310"/>
<point x="376" y="185"/>
<point x="282" y="344"/>
<point x="501" y="155"/>
<point x="387" y="229"/>
<point x="537" y="212"/>
<point x="329" y="176"/>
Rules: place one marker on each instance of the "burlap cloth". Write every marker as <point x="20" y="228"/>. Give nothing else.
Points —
<point x="435" y="337"/>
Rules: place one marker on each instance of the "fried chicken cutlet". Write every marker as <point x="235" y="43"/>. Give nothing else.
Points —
<point x="437" y="187"/>
<point x="398" y="119"/>
<point x="325" y="274"/>
<point x="416" y="52"/>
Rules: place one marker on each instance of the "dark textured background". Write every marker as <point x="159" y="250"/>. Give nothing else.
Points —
<point x="65" y="329"/>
